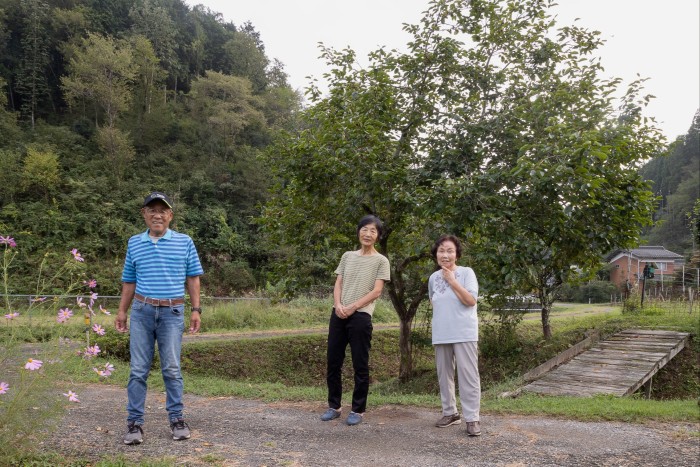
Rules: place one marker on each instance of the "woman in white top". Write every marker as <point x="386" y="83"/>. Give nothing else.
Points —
<point x="453" y="291"/>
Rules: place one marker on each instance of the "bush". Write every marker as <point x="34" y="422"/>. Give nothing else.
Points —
<point x="590" y="292"/>
<point x="114" y="344"/>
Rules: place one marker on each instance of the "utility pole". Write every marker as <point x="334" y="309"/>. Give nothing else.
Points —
<point x="683" y="280"/>
<point x="644" y="282"/>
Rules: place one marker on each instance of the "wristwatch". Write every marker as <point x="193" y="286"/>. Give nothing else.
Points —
<point x="197" y="309"/>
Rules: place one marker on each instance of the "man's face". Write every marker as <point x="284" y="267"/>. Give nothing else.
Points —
<point x="157" y="216"/>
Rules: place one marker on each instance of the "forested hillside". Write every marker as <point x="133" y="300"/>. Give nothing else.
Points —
<point x="676" y="180"/>
<point x="105" y="100"/>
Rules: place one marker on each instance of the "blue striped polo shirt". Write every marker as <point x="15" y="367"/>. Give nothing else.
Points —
<point x="160" y="269"/>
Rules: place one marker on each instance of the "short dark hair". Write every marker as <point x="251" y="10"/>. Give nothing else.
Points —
<point x="446" y="238"/>
<point x="370" y="219"/>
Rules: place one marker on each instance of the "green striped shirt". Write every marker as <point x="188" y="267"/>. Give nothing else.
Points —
<point x="359" y="274"/>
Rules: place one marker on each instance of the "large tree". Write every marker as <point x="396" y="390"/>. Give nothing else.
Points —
<point x="539" y="166"/>
<point x="493" y="125"/>
<point x="31" y="76"/>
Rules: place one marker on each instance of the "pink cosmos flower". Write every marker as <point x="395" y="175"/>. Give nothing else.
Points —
<point x="38" y="299"/>
<point x="33" y="364"/>
<point x="12" y="315"/>
<point x="9" y="241"/>
<point x="4" y="387"/>
<point x="72" y="397"/>
<point x="98" y="329"/>
<point x="92" y="283"/>
<point x="91" y="351"/>
<point x="93" y="297"/>
<point x="106" y="371"/>
<point x="104" y="310"/>
<point x="64" y="314"/>
<point x="76" y="255"/>
<point x="80" y="303"/>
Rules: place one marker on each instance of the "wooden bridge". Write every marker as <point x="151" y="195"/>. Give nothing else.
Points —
<point x="619" y="365"/>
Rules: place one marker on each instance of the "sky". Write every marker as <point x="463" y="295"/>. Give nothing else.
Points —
<point x="654" y="39"/>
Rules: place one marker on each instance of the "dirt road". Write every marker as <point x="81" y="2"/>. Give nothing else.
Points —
<point x="227" y="431"/>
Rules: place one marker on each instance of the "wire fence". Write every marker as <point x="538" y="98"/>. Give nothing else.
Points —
<point x="20" y="301"/>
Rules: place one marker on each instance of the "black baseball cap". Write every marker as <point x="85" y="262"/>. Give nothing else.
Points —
<point x="157" y="195"/>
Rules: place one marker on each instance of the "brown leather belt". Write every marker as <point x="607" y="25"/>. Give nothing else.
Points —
<point x="159" y="301"/>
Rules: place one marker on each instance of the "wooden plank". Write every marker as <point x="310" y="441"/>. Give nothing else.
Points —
<point x="652" y="337"/>
<point x="602" y="375"/>
<point x="619" y="365"/>
<point x="607" y="363"/>
<point x="561" y="358"/>
<point x="633" y="363"/>
<point x="651" y="344"/>
<point x="660" y="364"/>
<point x="635" y="358"/>
<point x="635" y="348"/>
<point x="596" y="350"/>
<point x="623" y="365"/>
<point x="655" y="332"/>
<point x="572" y="390"/>
<point x="584" y="386"/>
<point x="637" y="345"/>
<point x="591" y="379"/>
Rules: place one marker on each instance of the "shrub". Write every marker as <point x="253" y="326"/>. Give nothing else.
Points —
<point x="590" y="292"/>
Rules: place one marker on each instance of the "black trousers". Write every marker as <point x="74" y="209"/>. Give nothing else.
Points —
<point x="356" y="331"/>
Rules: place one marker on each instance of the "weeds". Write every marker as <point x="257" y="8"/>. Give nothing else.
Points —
<point x="30" y="393"/>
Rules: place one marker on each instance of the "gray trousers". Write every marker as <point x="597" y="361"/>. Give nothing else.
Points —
<point x="465" y="356"/>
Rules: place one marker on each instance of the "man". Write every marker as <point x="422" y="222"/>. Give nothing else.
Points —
<point x="159" y="264"/>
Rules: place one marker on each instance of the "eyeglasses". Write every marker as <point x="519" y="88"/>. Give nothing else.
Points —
<point x="153" y="211"/>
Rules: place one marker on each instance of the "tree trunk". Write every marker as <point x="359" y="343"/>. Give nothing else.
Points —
<point x="406" y="364"/>
<point x="546" y="328"/>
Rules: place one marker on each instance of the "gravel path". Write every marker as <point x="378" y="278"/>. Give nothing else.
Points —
<point x="229" y="431"/>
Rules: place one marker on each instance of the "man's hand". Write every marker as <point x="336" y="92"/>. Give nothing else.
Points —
<point x="120" y="322"/>
<point x="195" y="322"/>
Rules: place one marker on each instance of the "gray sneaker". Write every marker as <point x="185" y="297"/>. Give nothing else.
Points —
<point x="473" y="429"/>
<point x="449" y="420"/>
<point x="134" y="434"/>
<point x="330" y="414"/>
<point x="180" y="429"/>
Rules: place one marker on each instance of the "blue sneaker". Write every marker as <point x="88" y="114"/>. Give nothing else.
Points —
<point x="354" y="418"/>
<point x="330" y="414"/>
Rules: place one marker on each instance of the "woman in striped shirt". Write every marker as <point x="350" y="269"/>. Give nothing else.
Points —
<point x="359" y="282"/>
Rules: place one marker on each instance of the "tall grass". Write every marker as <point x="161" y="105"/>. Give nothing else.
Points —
<point x="33" y="402"/>
<point x="300" y="313"/>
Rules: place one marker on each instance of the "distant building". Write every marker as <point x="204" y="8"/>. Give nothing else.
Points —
<point x="627" y="265"/>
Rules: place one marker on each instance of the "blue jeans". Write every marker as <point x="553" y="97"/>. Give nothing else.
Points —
<point x="151" y="324"/>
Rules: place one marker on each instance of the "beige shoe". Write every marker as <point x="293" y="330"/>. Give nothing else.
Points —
<point x="473" y="429"/>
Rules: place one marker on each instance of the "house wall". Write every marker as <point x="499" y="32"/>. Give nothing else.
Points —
<point x="630" y="269"/>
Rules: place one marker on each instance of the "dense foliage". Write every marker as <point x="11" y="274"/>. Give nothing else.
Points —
<point x="103" y="102"/>
<point x="676" y="181"/>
